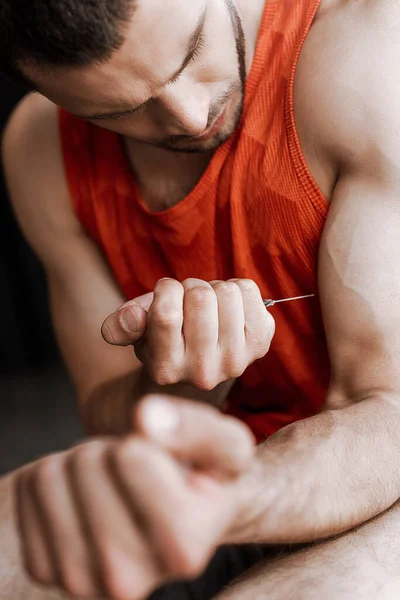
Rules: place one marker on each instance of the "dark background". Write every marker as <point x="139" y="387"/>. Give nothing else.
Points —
<point x="37" y="405"/>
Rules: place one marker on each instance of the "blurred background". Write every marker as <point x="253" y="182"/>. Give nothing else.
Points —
<point x="37" y="406"/>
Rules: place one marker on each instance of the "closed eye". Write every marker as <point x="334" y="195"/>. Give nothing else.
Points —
<point x="138" y="110"/>
<point x="192" y="58"/>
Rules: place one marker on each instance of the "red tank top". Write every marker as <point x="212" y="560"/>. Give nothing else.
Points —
<point x="256" y="213"/>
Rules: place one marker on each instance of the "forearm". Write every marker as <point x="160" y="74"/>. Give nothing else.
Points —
<point x="323" y="476"/>
<point x="362" y="565"/>
<point x="107" y="410"/>
<point x="13" y="581"/>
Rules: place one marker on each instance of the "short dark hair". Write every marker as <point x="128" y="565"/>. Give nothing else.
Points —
<point x="60" y="32"/>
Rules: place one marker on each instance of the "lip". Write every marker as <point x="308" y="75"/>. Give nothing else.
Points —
<point x="213" y="129"/>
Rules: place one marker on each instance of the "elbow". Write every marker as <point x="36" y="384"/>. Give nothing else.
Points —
<point x="340" y="397"/>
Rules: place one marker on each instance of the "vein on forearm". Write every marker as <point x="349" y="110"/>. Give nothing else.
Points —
<point x="325" y="475"/>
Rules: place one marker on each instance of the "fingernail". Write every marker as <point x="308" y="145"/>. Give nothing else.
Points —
<point x="129" y="321"/>
<point x="160" y="417"/>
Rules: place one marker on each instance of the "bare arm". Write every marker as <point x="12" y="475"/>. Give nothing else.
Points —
<point x="328" y="474"/>
<point x="82" y="289"/>
<point x="362" y="565"/>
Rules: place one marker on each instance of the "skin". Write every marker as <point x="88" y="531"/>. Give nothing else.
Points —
<point x="317" y="478"/>
<point x="212" y="81"/>
<point x="185" y="332"/>
<point x="89" y="555"/>
<point x="366" y="561"/>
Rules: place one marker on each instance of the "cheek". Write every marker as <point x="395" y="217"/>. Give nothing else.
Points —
<point x="221" y="62"/>
<point x="221" y="54"/>
<point x="217" y="67"/>
<point x="219" y="71"/>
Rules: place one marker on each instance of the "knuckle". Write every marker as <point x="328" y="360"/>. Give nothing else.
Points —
<point x="118" y="579"/>
<point x="166" y="371"/>
<point x="166" y="319"/>
<point x="44" y="475"/>
<point x="192" y="282"/>
<point x="248" y="285"/>
<point x="204" y="385"/>
<point x="204" y="377"/>
<point x="233" y="365"/>
<point x="127" y="453"/>
<point x="84" y="458"/>
<point x="168" y="284"/>
<point x="124" y="453"/>
<point x="200" y="297"/>
<point x="88" y="454"/>
<point x="163" y="375"/>
<point x="228" y="288"/>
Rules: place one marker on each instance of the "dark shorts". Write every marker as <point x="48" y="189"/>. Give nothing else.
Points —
<point x="228" y="564"/>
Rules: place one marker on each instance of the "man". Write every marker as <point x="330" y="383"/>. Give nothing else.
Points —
<point x="214" y="150"/>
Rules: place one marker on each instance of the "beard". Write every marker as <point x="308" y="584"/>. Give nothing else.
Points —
<point x="177" y="143"/>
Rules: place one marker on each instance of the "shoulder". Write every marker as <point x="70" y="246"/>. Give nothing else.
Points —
<point x="348" y="80"/>
<point x="34" y="171"/>
<point x="31" y="133"/>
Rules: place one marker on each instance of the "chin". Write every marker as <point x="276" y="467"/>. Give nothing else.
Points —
<point x="202" y="147"/>
<point x="213" y="143"/>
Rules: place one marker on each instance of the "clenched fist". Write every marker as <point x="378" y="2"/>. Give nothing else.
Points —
<point x="118" y="518"/>
<point x="195" y="332"/>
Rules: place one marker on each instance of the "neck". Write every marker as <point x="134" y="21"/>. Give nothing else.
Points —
<point x="164" y="178"/>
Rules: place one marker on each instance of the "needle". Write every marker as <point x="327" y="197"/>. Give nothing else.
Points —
<point x="269" y="303"/>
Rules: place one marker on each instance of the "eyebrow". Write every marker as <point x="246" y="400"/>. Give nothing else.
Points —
<point x="190" y="50"/>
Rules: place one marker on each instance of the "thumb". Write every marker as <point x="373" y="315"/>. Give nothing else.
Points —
<point x="197" y="434"/>
<point x="129" y="323"/>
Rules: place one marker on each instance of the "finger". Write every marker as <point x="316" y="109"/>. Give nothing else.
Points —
<point x="36" y="555"/>
<point x="70" y="554"/>
<point x="129" y="323"/>
<point x="126" y="565"/>
<point x="77" y="571"/>
<point x="200" y="330"/>
<point x="259" y="324"/>
<point x="197" y="433"/>
<point x="169" y="509"/>
<point x="231" y="338"/>
<point x="164" y="352"/>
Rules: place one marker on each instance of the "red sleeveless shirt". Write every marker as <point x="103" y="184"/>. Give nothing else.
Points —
<point x="256" y="213"/>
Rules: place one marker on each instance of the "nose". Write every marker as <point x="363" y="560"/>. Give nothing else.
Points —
<point x="187" y="107"/>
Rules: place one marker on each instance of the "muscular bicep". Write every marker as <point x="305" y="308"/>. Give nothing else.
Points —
<point x="359" y="279"/>
<point x="82" y="290"/>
